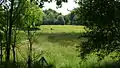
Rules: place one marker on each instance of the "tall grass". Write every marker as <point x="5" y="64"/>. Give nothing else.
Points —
<point x="58" y="45"/>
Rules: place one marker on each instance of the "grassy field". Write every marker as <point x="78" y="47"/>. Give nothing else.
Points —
<point x="58" y="45"/>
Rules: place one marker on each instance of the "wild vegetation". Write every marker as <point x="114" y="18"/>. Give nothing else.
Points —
<point x="88" y="37"/>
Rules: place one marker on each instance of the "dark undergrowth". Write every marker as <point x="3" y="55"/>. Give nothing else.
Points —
<point x="24" y="65"/>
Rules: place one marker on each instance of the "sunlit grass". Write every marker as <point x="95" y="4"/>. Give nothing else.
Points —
<point x="61" y="28"/>
<point x="58" y="46"/>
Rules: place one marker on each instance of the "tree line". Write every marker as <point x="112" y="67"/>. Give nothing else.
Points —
<point x="51" y="17"/>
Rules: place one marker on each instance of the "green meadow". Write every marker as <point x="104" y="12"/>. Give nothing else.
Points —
<point x="57" y="44"/>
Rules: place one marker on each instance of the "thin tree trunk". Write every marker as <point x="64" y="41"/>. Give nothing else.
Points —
<point x="1" y="53"/>
<point x="30" y="50"/>
<point x="13" y="54"/>
<point x="6" y="31"/>
<point x="9" y="38"/>
<point x="13" y="47"/>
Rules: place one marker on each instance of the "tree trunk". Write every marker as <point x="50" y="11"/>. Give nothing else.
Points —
<point x="13" y="47"/>
<point x="30" y="50"/>
<point x="9" y="37"/>
<point x="1" y="53"/>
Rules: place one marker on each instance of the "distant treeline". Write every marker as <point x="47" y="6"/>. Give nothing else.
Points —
<point x="51" y="17"/>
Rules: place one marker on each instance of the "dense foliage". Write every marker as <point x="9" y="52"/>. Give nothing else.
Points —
<point x="102" y="19"/>
<point x="60" y="20"/>
<point x="50" y="16"/>
<point x="19" y="14"/>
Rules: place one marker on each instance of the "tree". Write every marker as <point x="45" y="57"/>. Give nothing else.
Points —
<point x="76" y="19"/>
<point x="14" y="15"/>
<point x="3" y="28"/>
<point x="103" y="24"/>
<point x="31" y="16"/>
<point x="50" y="16"/>
<point x="67" y="20"/>
<point x="60" y="20"/>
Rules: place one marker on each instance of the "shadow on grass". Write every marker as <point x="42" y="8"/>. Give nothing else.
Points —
<point x="63" y="38"/>
<point x="108" y="65"/>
